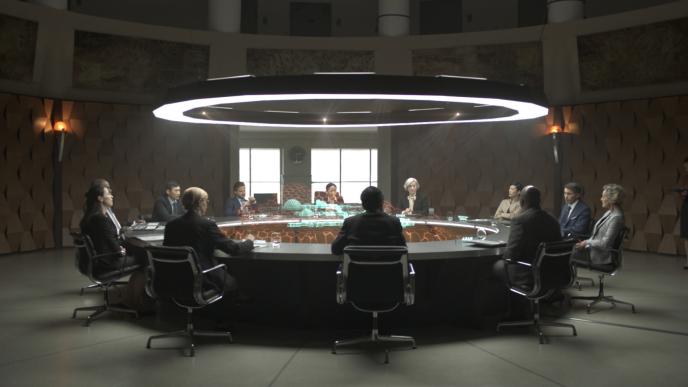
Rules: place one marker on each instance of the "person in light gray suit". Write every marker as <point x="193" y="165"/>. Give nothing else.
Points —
<point x="607" y="228"/>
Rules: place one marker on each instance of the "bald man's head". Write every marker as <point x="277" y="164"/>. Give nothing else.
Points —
<point x="530" y="197"/>
<point x="196" y="199"/>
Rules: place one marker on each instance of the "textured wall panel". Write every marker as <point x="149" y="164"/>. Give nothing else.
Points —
<point x="121" y="63"/>
<point x="513" y="63"/>
<point x="636" y="56"/>
<point x="290" y="62"/>
<point x="17" y="48"/>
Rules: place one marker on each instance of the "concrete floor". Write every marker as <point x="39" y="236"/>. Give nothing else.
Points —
<point x="42" y="345"/>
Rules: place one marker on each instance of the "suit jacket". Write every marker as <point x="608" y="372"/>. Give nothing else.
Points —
<point x="162" y="210"/>
<point x="369" y="228"/>
<point x="233" y="206"/>
<point x="204" y="236"/>
<point x="528" y="230"/>
<point x="420" y="206"/>
<point x="604" y="234"/>
<point x="577" y="223"/>
<point x="102" y="232"/>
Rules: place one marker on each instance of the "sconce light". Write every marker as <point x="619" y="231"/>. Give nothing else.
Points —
<point x="61" y="128"/>
<point x="554" y="129"/>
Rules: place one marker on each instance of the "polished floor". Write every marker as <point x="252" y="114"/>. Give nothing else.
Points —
<point x="42" y="345"/>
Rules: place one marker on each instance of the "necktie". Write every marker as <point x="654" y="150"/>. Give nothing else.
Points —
<point x="568" y="215"/>
<point x="174" y="207"/>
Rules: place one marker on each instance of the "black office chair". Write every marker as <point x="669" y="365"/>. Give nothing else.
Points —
<point x="91" y="265"/>
<point x="603" y="271"/>
<point x="376" y="279"/>
<point x="578" y="283"/>
<point x="552" y="271"/>
<point x="174" y="274"/>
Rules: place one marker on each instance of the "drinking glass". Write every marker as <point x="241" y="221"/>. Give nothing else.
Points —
<point x="276" y="239"/>
<point x="450" y="216"/>
<point x="480" y="233"/>
<point x="431" y="211"/>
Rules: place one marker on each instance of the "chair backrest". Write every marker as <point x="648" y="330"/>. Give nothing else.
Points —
<point x="84" y="253"/>
<point x="616" y="251"/>
<point x="552" y="268"/>
<point x="175" y="274"/>
<point x="320" y="195"/>
<point x="375" y="276"/>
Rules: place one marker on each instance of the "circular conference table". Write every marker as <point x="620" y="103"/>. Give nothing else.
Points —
<point x="294" y="283"/>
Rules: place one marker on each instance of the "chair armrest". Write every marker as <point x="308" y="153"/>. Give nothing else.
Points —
<point x="341" y="286"/>
<point x="410" y="286"/>
<point x="213" y="268"/>
<point x="517" y="262"/>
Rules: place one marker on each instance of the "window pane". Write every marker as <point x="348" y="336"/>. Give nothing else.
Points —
<point x="373" y="166"/>
<point x="265" y="165"/>
<point x="325" y="165"/>
<point x="266" y="188"/>
<point x="351" y="192"/>
<point x="244" y="165"/>
<point x="355" y="165"/>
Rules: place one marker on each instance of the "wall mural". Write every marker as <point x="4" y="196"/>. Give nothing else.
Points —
<point x="650" y="54"/>
<point x="17" y="48"/>
<point x="292" y="62"/>
<point x="512" y="63"/>
<point x="122" y="63"/>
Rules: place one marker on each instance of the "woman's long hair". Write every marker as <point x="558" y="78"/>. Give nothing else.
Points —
<point x="92" y="204"/>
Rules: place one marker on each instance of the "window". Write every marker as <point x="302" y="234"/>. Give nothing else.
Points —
<point x="351" y="169"/>
<point x="260" y="169"/>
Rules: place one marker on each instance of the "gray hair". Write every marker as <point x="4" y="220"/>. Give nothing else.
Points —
<point x="409" y="181"/>
<point x="615" y="193"/>
<point x="191" y="198"/>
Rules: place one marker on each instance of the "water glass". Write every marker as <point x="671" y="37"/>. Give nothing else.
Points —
<point x="450" y="216"/>
<point x="480" y="233"/>
<point x="431" y="211"/>
<point x="276" y="239"/>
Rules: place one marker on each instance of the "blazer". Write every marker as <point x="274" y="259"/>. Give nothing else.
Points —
<point x="162" y="210"/>
<point x="233" y="206"/>
<point x="576" y="224"/>
<point x="528" y="230"/>
<point x="204" y="236"/>
<point x="420" y="206"/>
<point x="604" y="234"/>
<point x="102" y="232"/>
<point x="507" y="209"/>
<point x="369" y="228"/>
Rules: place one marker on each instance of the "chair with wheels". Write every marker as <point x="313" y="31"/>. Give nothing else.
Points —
<point x="92" y="265"/>
<point x="605" y="270"/>
<point x="375" y="279"/>
<point x="175" y="275"/>
<point x="551" y="271"/>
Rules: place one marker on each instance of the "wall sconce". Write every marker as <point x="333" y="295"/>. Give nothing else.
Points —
<point x="554" y="129"/>
<point x="61" y="128"/>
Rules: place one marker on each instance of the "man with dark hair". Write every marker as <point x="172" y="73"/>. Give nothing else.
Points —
<point x="238" y="204"/>
<point x="373" y="227"/>
<point x="575" y="214"/>
<point x="167" y="206"/>
<point x="532" y="227"/>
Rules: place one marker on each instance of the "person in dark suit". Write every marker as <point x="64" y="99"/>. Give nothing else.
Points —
<point x="413" y="202"/>
<point x="373" y="227"/>
<point x="100" y="224"/>
<point x="606" y="230"/>
<point x="238" y="204"/>
<point x="574" y="219"/>
<point x="195" y="230"/>
<point x="167" y="206"/>
<point x="532" y="227"/>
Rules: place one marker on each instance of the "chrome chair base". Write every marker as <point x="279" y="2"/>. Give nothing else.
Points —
<point x="375" y="337"/>
<point x="190" y="333"/>
<point x="602" y="298"/>
<point x="100" y="309"/>
<point x="96" y="285"/>
<point x="537" y="325"/>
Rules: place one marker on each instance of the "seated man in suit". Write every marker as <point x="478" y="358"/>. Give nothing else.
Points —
<point x="238" y="204"/>
<point x="167" y="206"/>
<point x="575" y="214"/>
<point x="373" y="227"/>
<point x="532" y="227"/>
<point x="195" y="230"/>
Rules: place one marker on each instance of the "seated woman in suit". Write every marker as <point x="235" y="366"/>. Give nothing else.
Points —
<point x="102" y="226"/>
<point x="510" y="207"/>
<point x="596" y="249"/>
<point x="332" y="196"/>
<point x="412" y="201"/>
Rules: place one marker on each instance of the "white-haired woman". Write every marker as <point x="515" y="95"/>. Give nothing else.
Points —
<point x="413" y="202"/>
<point x="596" y="249"/>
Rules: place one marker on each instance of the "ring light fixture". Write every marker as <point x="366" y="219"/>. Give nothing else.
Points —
<point x="341" y="100"/>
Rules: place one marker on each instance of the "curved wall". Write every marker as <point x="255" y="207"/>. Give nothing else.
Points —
<point x="125" y="66"/>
